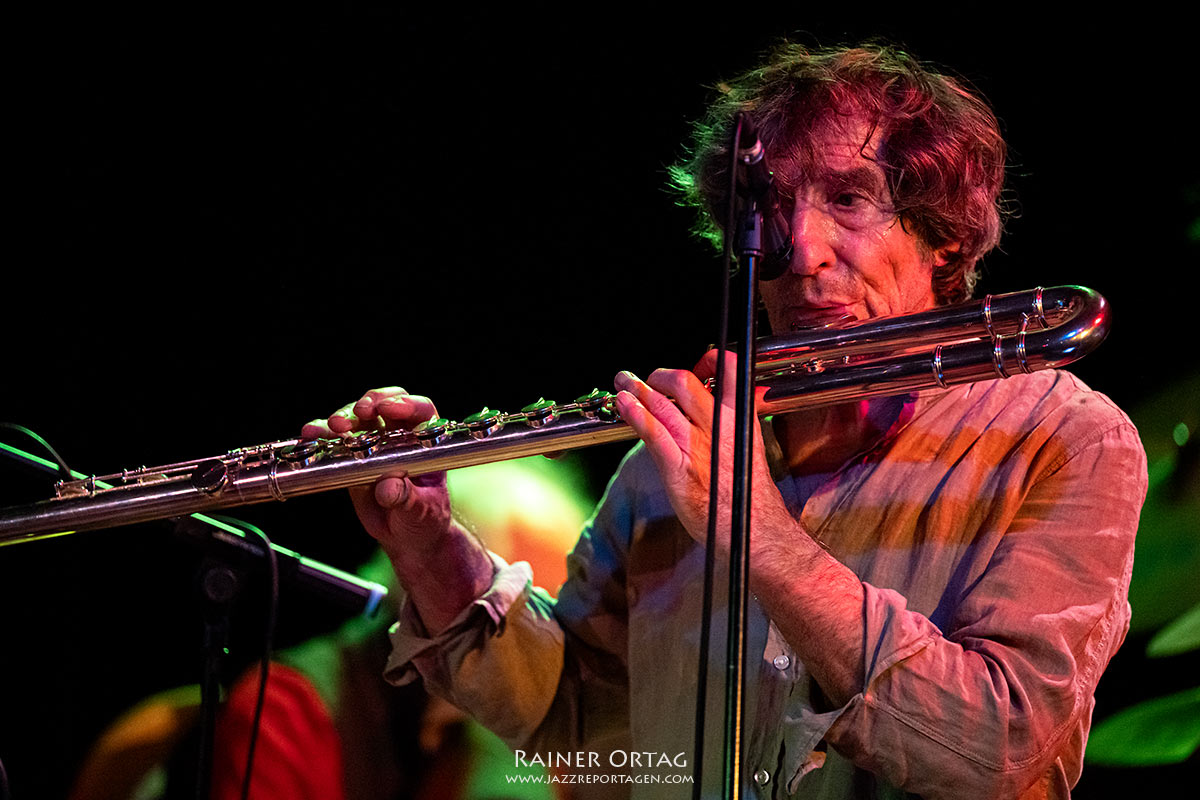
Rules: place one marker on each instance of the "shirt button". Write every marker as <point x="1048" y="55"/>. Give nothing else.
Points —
<point x="761" y="777"/>
<point x="781" y="662"/>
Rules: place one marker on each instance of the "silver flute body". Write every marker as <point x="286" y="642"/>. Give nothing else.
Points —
<point x="997" y="337"/>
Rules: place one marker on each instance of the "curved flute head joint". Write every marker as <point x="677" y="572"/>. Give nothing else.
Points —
<point x="834" y="363"/>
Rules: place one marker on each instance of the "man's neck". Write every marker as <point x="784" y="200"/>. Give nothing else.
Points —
<point x="823" y="439"/>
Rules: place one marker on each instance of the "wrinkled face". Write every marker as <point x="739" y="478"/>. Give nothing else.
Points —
<point x="850" y="254"/>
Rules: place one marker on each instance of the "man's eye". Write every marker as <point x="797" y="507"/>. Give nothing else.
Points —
<point x="848" y="199"/>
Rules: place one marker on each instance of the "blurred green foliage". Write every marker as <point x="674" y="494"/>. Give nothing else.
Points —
<point x="1167" y="560"/>
<point x="1164" y="592"/>
<point x="1165" y="730"/>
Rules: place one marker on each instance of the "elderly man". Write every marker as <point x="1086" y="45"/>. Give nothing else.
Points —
<point x="939" y="579"/>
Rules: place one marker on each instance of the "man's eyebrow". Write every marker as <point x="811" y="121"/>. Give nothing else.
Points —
<point x="862" y="177"/>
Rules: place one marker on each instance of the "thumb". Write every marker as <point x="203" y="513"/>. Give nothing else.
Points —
<point x="706" y="367"/>
<point x="392" y="491"/>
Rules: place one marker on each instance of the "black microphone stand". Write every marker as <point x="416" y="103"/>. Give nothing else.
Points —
<point x="761" y="234"/>
<point x="229" y="556"/>
<point x="749" y="248"/>
<point x="218" y="586"/>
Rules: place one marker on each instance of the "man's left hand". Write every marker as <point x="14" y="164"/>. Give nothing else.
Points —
<point x="672" y="413"/>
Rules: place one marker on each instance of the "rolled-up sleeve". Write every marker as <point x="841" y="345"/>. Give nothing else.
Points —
<point x="499" y="660"/>
<point x="532" y="669"/>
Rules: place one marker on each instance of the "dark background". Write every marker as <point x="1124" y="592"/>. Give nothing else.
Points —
<point x="223" y="226"/>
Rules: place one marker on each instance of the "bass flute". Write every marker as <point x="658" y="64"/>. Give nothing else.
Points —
<point x="997" y="337"/>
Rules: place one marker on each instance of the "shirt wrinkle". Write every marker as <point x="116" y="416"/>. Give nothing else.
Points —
<point x="1071" y="451"/>
<point x="935" y="524"/>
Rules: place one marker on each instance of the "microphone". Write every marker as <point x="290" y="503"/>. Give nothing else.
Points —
<point x="225" y="541"/>
<point x="756" y="184"/>
<point x="755" y="178"/>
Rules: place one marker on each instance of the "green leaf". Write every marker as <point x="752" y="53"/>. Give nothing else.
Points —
<point x="1181" y="636"/>
<point x="1165" y="730"/>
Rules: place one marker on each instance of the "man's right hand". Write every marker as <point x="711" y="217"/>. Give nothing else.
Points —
<point x="441" y="565"/>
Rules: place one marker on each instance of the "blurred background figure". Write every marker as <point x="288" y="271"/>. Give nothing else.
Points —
<point x="331" y="727"/>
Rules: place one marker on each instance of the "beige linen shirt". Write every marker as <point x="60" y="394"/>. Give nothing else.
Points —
<point x="993" y="530"/>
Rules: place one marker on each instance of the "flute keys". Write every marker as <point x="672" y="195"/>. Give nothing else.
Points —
<point x="364" y="444"/>
<point x="483" y="423"/>
<point x="539" y="413"/>
<point x="596" y="405"/>
<point x="210" y="476"/>
<point x="302" y="453"/>
<point x="431" y="431"/>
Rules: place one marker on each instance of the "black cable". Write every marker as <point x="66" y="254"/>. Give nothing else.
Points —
<point x="727" y="271"/>
<point x="63" y="469"/>
<point x="269" y="644"/>
<point x="272" y="615"/>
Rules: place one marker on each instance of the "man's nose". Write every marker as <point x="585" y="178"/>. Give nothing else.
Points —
<point x="813" y="236"/>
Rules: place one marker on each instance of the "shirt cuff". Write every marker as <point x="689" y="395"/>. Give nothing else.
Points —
<point x="487" y="613"/>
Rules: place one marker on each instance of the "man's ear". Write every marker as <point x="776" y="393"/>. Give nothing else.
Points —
<point x="946" y="253"/>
